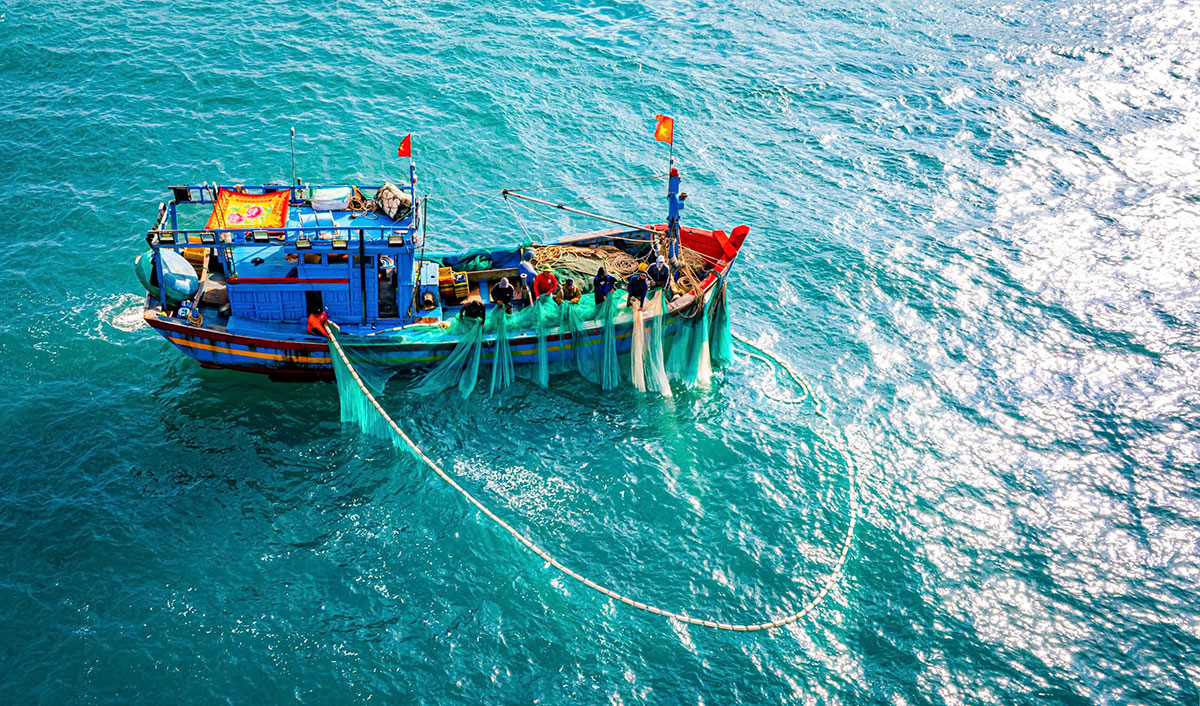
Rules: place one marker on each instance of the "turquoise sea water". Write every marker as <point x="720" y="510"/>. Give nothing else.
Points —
<point x="975" y="228"/>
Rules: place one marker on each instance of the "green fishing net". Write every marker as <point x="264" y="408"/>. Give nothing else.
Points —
<point x="502" y="363"/>
<point x="677" y="360"/>
<point x="721" y="344"/>
<point x="656" y="323"/>
<point x="461" y="368"/>
<point x="548" y="316"/>
<point x="356" y="407"/>
<point x="570" y="331"/>
<point x="689" y="360"/>
<point x="699" y="371"/>
<point x="597" y="354"/>
<point x="610" y="369"/>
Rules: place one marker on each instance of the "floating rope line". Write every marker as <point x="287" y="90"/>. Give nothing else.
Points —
<point x="830" y="581"/>
<point x="771" y="360"/>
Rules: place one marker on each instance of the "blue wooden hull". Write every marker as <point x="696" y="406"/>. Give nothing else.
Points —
<point x="308" y="356"/>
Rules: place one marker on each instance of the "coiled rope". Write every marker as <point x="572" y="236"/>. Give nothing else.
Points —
<point x="586" y="260"/>
<point x="830" y="581"/>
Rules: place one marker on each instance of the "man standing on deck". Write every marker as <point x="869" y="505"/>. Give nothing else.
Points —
<point x="638" y="285"/>
<point x="544" y="283"/>
<point x="659" y="273"/>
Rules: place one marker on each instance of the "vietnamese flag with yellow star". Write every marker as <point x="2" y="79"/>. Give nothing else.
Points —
<point x="665" y="132"/>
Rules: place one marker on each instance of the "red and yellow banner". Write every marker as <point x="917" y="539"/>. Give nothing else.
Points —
<point x="237" y="210"/>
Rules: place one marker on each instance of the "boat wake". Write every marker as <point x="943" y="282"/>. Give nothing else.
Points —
<point x="122" y="312"/>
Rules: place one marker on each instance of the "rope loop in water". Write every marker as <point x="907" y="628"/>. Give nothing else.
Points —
<point x="826" y="587"/>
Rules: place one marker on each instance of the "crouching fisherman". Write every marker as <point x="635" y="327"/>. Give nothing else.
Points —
<point x="602" y="285"/>
<point x="502" y="294"/>
<point x="474" y="309"/>
<point x="569" y="292"/>
<point x="316" y="323"/>
<point x="659" y="273"/>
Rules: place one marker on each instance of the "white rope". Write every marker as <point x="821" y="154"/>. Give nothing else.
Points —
<point x="477" y="206"/>
<point x="805" y="390"/>
<point x="530" y="238"/>
<point x="832" y="580"/>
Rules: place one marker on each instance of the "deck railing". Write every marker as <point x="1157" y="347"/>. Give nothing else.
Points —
<point x="205" y="194"/>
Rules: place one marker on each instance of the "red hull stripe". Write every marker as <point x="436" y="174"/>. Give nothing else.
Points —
<point x="157" y="323"/>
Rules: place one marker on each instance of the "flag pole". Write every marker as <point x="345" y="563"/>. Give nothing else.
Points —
<point x="293" y="184"/>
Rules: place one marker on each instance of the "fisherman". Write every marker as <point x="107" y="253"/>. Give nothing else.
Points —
<point x="659" y="273"/>
<point x="316" y="323"/>
<point x="569" y="292"/>
<point x="473" y="309"/>
<point x="545" y="283"/>
<point x="638" y="285"/>
<point x="602" y="285"/>
<point x="502" y="294"/>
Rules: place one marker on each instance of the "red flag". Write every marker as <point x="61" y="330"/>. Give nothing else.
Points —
<point x="405" y="148"/>
<point x="665" y="132"/>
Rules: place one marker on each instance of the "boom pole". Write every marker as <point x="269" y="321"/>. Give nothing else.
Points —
<point x="561" y="207"/>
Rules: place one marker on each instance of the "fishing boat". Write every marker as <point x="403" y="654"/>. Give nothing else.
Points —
<point x="238" y="292"/>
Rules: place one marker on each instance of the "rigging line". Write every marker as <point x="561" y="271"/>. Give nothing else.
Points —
<point x="528" y="237"/>
<point x="478" y="206"/>
<point x="587" y="197"/>
<point x="565" y="225"/>
<point x="831" y="580"/>
<point x="543" y="187"/>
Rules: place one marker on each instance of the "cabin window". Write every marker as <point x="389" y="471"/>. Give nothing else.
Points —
<point x="292" y="257"/>
<point x="312" y="258"/>
<point x="338" y="258"/>
<point x="362" y="260"/>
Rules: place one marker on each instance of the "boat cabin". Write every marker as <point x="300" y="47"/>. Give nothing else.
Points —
<point x="273" y="254"/>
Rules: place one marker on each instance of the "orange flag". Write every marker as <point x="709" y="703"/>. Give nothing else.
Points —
<point x="405" y="148"/>
<point x="665" y="132"/>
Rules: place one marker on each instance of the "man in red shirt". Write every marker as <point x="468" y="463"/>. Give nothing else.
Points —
<point x="316" y="324"/>
<point x="544" y="283"/>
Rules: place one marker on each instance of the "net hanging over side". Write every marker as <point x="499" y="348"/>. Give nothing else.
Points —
<point x="699" y="364"/>
<point x="570" y="330"/>
<point x="689" y="361"/>
<point x="610" y="369"/>
<point x="547" y="316"/>
<point x="502" y="362"/>
<point x="461" y="368"/>
<point x="637" y="353"/>
<point x="656" y="373"/>
<point x="721" y="343"/>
